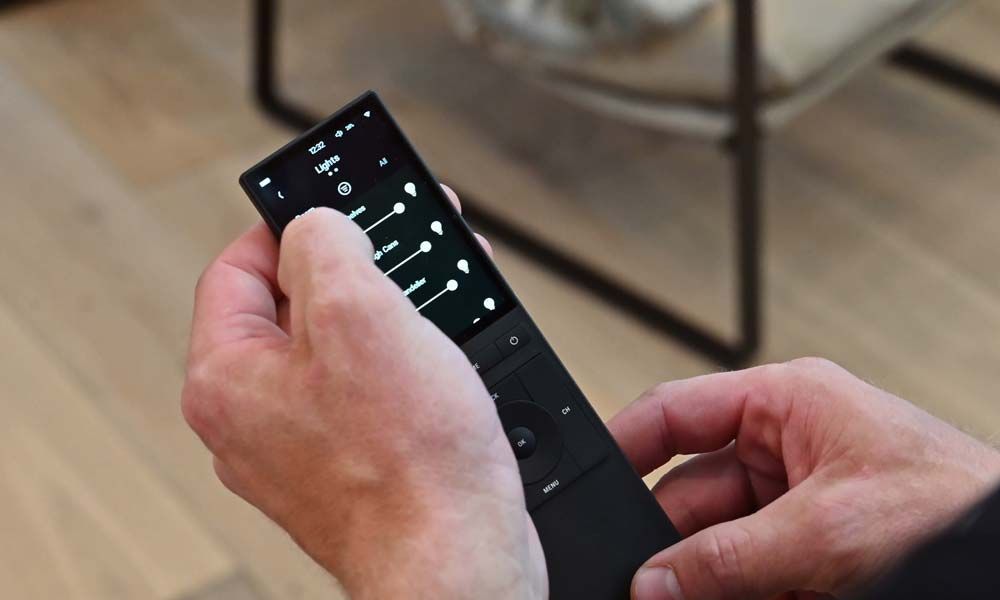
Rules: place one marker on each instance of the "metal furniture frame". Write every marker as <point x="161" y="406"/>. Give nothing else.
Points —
<point x="743" y="146"/>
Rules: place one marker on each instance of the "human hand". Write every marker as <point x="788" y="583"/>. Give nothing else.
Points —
<point x="353" y="422"/>
<point x="808" y="481"/>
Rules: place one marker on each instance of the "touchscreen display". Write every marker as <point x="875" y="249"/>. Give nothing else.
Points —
<point x="359" y="163"/>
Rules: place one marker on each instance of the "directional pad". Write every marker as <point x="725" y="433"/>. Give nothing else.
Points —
<point x="530" y="427"/>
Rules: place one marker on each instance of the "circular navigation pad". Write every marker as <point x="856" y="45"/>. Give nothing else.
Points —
<point x="524" y="420"/>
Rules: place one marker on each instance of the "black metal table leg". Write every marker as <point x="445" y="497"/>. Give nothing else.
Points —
<point x="265" y="78"/>
<point x="744" y="148"/>
<point x="949" y="72"/>
<point x="748" y="188"/>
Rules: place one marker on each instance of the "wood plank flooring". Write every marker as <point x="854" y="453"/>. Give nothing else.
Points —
<point x="123" y="126"/>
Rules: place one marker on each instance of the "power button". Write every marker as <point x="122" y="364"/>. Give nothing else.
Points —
<point x="514" y="340"/>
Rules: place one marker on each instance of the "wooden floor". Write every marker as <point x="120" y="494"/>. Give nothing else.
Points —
<point x="123" y="127"/>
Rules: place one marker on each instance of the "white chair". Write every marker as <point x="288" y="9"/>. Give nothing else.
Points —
<point x="676" y="72"/>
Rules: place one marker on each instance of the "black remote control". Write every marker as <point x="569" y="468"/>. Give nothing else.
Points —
<point x="596" y="519"/>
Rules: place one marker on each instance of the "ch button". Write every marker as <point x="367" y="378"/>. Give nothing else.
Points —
<point x="514" y="340"/>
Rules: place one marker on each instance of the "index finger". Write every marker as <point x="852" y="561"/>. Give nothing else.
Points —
<point x="453" y="197"/>
<point x="692" y="416"/>
<point x="236" y="296"/>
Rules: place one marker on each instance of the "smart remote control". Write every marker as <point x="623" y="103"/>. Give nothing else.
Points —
<point x="597" y="520"/>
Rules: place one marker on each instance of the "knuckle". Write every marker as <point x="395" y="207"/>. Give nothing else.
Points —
<point x="201" y="400"/>
<point x="776" y="388"/>
<point x="196" y="412"/>
<point x="815" y="364"/>
<point x="359" y="295"/>
<point x="722" y="555"/>
<point x="765" y="381"/>
<point x="657" y="393"/>
<point x="349" y="298"/>
<point x="206" y="275"/>
<point x="795" y="375"/>
<point x="327" y="311"/>
<point x="819" y="378"/>
<point x="770" y="375"/>
<point x="228" y="477"/>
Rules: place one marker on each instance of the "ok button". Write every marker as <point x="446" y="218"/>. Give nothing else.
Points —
<point x="522" y="440"/>
<point x="534" y="436"/>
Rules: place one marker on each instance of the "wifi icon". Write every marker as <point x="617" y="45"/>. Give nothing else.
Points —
<point x="368" y="113"/>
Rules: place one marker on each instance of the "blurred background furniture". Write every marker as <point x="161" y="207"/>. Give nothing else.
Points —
<point x="126" y="123"/>
<point x="722" y="69"/>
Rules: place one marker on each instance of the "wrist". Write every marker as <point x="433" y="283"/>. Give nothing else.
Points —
<point x="970" y="475"/>
<point x="430" y="542"/>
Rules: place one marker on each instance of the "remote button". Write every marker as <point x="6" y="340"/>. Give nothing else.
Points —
<point x="485" y="359"/>
<point x="509" y="390"/>
<point x="514" y="340"/>
<point x="522" y="440"/>
<point x="548" y="443"/>
<point x="555" y="482"/>
<point x="547" y="388"/>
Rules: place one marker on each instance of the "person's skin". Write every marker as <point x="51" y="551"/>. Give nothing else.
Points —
<point x="330" y="404"/>
<point x="354" y="423"/>
<point x="806" y="478"/>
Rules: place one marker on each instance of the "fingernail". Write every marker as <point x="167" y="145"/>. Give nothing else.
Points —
<point x="657" y="583"/>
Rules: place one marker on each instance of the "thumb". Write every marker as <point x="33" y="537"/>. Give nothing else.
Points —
<point x="755" y="557"/>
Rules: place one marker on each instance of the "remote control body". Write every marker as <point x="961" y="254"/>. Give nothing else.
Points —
<point x="596" y="519"/>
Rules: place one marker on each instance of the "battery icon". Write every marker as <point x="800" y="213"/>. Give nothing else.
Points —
<point x="265" y="182"/>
